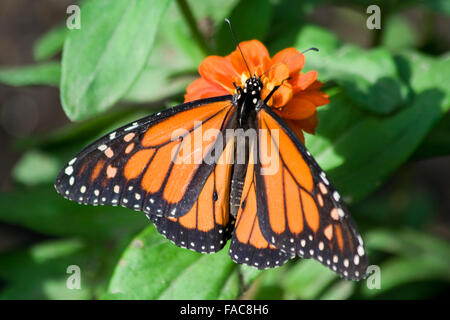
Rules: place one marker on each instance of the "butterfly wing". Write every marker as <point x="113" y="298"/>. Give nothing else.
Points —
<point x="207" y="226"/>
<point x="155" y="165"/>
<point x="248" y="245"/>
<point x="299" y="211"/>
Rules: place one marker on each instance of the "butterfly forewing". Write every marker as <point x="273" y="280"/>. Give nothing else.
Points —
<point x="135" y="166"/>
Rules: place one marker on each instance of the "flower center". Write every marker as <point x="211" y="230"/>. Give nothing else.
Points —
<point x="244" y="78"/>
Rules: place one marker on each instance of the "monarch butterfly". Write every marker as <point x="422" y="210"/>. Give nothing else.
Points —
<point x="200" y="205"/>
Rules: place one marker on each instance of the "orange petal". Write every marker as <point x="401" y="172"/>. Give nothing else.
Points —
<point x="316" y="85"/>
<point x="303" y="81"/>
<point x="219" y="71"/>
<point x="201" y="89"/>
<point x="296" y="129"/>
<point x="281" y="96"/>
<point x="255" y="54"/>
<point x="292" y="58"/>
<point x="298" y="108"/>
<point x="317" y="97"/>
<point x="278" y="75"/>
<point x="309" y="124"/>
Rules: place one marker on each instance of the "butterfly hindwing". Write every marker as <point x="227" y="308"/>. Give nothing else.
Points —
<point x="299" y="210"/>
<point x="248" y="245"/>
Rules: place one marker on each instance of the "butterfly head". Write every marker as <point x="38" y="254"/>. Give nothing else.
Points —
<point x="253" y="86"/>
<point x="250" y="91"/>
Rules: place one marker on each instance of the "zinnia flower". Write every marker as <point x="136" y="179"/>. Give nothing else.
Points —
<point x="295" y="100"/>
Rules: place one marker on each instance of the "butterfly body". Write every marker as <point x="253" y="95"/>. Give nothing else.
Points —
<point x="247" y="98"/>
<point x="263" y="189"/>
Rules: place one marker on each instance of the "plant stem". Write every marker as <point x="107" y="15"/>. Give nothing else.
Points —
<point x="190" y="19"/>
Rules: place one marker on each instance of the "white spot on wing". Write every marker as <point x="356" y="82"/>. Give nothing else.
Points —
<point x="336" y="196"/>
<point x="69" y="170"/>
<point x="346" y="263"/>
<point x="134" y="125"/>
<point x="324" y="178"/>
<point x="360" y="250"/>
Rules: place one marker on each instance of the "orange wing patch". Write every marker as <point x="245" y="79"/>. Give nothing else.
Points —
<point x="135" y="166"/>
<point x="183" y="122"/>
<point x="207" y="225"/>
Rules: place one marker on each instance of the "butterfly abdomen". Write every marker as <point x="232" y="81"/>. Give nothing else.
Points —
<point x="237" y="185"/>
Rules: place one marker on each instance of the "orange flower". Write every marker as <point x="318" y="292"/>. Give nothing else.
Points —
<point x="295" y="100"/>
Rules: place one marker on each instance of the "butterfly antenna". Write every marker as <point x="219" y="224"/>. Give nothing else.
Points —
<point x="310" y="49"/>
<point x="237" y="44"/>
<point x="283" y="62"/>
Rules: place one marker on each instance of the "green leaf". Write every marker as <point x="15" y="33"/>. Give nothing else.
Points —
<point x="440" y="6"/>
<point x="363" y="154"/>
<point x="341" y="290"/>
<point x="43" y="210"/>
<point x="82" y="133"/>
<point x="398" y="34"/>
<point x="215" y="10"/>
<point x="250" y="20"/>
<point x="48" y="73"/>
<point x="50" y="43"/>
<point x="103" y="59"/>
<point x="417" y="257"/>
<point x="409" y="243"/>
<point x="369" y="77"/>
<point x="327" y="43"/>
<point x="422" y="72"/>
<point x="268" y="286"/>
<point x="158" y="80"/>
<point x="249" y="274"/>
<point x="232" y="287"/>
<point x="155" y="84"/>
<point x="401" y="205"/>
<point x="400" y="271"/>
<point x="307" y="279"/>
<point x="153" y="268"/>
<point x="430" y="74"/>
<point x="175" y="57"/>
<point x="288" y="19"/>
<point x="40" y="272"/>
<point x="437" y="142"/>
<point x="25" y="171"/>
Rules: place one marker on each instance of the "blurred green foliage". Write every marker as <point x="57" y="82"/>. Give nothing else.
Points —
<point x="389" y="106"/>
